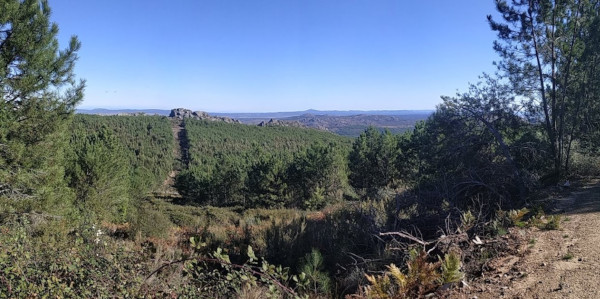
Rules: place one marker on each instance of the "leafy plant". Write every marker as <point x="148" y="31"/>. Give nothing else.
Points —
<point x="217" y="276"/>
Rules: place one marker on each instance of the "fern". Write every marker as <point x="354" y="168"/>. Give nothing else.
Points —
<point x="451" y="268"/>
<point x="421" y="277"/>
<point x="516" y="216"/>
<point x="399" y="277"/>
<point x="467" y="220"/>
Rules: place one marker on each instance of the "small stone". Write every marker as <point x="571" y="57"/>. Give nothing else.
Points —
<point x="580" y="259"/>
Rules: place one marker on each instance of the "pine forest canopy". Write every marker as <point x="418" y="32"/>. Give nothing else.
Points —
<point x="236" y="164"/>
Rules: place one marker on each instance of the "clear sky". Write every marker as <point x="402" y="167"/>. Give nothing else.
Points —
<point x="276" y="55"/>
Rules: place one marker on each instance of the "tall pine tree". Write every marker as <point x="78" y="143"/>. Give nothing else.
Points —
<point x="38" y="93"/>
<point x="546" y="48"/>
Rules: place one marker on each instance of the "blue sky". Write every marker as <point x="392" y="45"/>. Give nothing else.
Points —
<point x="268" y="55"/>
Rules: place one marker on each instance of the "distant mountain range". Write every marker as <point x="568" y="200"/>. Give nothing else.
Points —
<point x="280" y="115"/>
<point x="102" y="111"/>
<point x="263" y="115"/>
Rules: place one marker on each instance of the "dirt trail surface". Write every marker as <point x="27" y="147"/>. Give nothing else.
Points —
<point x="563" y="263"/>
<point x="168" y="189"/>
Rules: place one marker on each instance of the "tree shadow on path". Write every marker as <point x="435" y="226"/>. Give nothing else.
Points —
<point x="582" y="200"/>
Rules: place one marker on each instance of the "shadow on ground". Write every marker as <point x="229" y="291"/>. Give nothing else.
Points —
<point x="582" y="200"/>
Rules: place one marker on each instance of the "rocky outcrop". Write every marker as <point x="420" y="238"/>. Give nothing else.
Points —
<point x="181" y="113"/>
<point x="281" y="123"/>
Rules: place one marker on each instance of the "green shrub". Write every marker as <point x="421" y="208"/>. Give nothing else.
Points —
<point x="52" y="262"/>
<point x="151" y="223"/>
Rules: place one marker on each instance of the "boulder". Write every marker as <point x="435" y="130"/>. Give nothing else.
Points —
<point x="182" y="113"/>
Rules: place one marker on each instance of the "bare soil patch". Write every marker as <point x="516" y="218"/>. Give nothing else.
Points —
<point x="563" y="263"/>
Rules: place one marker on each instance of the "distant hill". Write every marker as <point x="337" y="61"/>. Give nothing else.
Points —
<point x="282" y="115"/>
<point x="346" y="123"/>
<point x="101" y="111"/>
<point x="352" y="125"/>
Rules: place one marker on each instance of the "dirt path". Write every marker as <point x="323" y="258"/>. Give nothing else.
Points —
<point x="180" y="155"/>
<point x="562" y="263"/>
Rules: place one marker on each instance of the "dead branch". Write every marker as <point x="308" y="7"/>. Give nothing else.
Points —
<point x="406" y="236"/>
<point x="248" y="268"/>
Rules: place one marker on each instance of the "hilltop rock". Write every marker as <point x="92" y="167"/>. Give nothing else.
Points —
<point x="281" y="123"/>
<point x="182" y="113"/>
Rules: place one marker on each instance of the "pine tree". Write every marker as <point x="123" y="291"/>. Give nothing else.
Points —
<point x="372" y="160"/>
<point x="543" y="46"/>
<point x="97" y="172"/>
<point x="38" y="93"/>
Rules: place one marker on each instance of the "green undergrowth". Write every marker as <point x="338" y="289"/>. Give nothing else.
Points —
<point x="59" y="256"/>
<point x="71" y="255"/>
<point x="48" y="257"/>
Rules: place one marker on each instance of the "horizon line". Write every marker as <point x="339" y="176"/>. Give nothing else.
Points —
<point x="249" y="112"/>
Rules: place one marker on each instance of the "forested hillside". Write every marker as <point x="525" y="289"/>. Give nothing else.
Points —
<point x="235" y="164"/>
<point x="114" y="159"/>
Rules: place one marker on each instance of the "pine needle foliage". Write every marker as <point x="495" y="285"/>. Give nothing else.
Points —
<point x="38" y="93"/>
<point x="312" y="266"/>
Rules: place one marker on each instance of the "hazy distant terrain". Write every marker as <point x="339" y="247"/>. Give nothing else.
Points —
<point x="102" y="111"/>
<point x="346" y="123"/>
<point x="351" y="125"/>
<point x="283" y="115"/>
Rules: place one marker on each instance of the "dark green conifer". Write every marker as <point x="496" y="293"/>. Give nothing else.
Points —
<point x="38" y="93"/>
